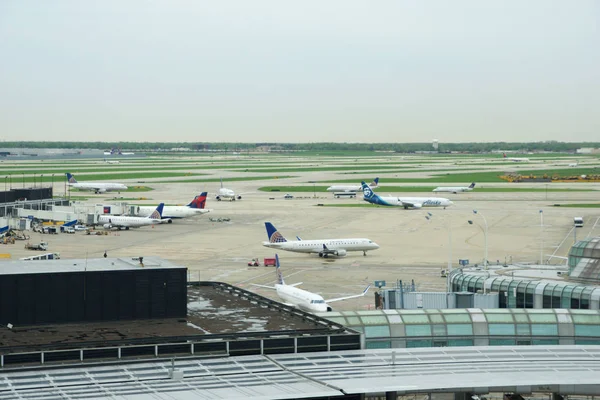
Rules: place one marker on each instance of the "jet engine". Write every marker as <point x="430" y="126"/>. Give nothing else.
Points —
<point x="218" y="198"/>
<point x="239" y="197"/>
<point x="100" y="191"/>
<point x="335" y="253"/>
<point x="107" y="226"/>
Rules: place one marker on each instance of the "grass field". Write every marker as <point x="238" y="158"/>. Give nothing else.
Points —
<point x="410" y="189"/>
<point x="234" y="179"/>
<point x="590" y="205"/>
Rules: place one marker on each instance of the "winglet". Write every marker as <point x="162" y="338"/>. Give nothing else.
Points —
<point x="366" y="289"/>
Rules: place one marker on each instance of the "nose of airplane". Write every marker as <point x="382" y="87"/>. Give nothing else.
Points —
<point x="375" y="245"/>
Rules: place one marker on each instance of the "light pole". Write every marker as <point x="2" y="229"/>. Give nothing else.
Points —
<point x="542" y="236"/>
<point x="449" y="229"/>
<point x="485" y="257"/>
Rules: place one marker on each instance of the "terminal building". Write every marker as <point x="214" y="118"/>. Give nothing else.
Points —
<point x="223" y="342"/>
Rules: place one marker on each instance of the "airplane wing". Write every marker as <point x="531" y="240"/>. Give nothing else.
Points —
<point x="264" y="286"/>
<point x="349" y="297"/>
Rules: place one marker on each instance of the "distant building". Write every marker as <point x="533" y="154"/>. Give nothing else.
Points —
<point x="588" y="150"/>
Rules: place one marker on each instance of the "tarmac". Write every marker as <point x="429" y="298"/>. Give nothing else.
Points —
<point x="412" y="248"/>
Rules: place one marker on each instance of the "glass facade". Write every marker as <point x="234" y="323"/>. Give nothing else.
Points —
<point x="584" y="260"/>
<point x="525" y="293"/>
<point x="471" y="327"/>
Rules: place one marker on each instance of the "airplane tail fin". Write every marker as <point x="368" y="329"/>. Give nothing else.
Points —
<point x="472" y="185"/>
<point x="70" y="223"/>
<point x="278" y="271"/>
<point x="157" y="214"/>
<point x="274" y="235"/>
<point x="374" y="183"/>
<point x="367" y="192"/>
<point x="199" y="201"/>
<point x="71" y="178"/>
<point x="221" y="183"/>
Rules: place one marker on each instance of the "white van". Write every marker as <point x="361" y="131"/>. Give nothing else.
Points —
<point x="578" y="222"/>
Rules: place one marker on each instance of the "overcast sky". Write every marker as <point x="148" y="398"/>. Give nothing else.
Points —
<point x="300" y="71"/>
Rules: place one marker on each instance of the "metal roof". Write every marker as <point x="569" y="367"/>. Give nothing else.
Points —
<point x="82" y="265"/>
<point x="561" y="369"/>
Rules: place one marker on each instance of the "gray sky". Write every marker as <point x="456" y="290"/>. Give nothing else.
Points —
<point x="300" y="71"/>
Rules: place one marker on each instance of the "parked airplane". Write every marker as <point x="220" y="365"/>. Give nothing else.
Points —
<point x="351" y="188"/>
<point x="324" y="247"/>
<point x="196" y="207"/>
<point x="225" y="193"/>
<point x="406" y="202"/>
<point x="515" y="159"/>
<point x="303" y="299"/>
<point x="122" y="221"/>
<point x="115" y="151"/>
<point x="573" y="164"/>
<point x="455" y="189"/>
<point x="96" y="187"/>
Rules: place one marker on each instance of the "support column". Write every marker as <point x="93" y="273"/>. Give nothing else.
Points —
<point x="391" y="395"/>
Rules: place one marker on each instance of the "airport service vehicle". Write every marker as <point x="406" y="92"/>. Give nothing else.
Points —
<point x="578" y="222"/>
<point x="196" y="207"/>
<point x="322" y="247"/>
<point x="288" y="196"/>
<point x="269" y="262"/>
<point x="96" y="187"/>
<point x="300" y="298"/>
<point x="455" y="189"/>
<point x="80" y="228"/>
<point x="119" y="221"/>
<point x="254" y="263"/>
<point x="351" y="195"/>
<point x="226" y="194"/>
<point x="40" y="246"/>
<point x="405" y="202"/>
<point x="351" y="188"/>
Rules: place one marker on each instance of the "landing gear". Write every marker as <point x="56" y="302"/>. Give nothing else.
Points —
<point x="364" y="253"/>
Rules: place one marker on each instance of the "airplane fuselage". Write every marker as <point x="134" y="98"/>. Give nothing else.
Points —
<point x="452" y="189"/>
<point x="316" y="246"/>
<point x="303" y="299"/>
<point x="119" y="221"/>
<point x="173" y="211"/>
<point x="98" y="187"/>
<point x="411" y="202"/>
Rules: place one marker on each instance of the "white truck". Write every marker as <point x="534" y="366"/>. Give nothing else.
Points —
<point x="578" y="222"/>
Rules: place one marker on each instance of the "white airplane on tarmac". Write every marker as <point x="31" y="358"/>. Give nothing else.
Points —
<point x="454" y="189"/>
<point x="226" y="194"/>
<point x="96" y="187"/>
<point x="351" y="188"/>
<point x="123" y="221"/>
<point x="406" y="202"/>
<point x="323" y="247"/>
<point x="303" y="299"/>
<point x="196" y="207"/>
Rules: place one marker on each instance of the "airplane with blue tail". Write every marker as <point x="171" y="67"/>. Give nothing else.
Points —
<point x="323" y="247"/>
<point x="96" y="187"/>
<point x="405" y="202"/>
<point x="124" y="221"/>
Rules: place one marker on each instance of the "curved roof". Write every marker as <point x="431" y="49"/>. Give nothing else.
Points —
<point x="584" y="260"/>
<point x="558" y="369"/>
